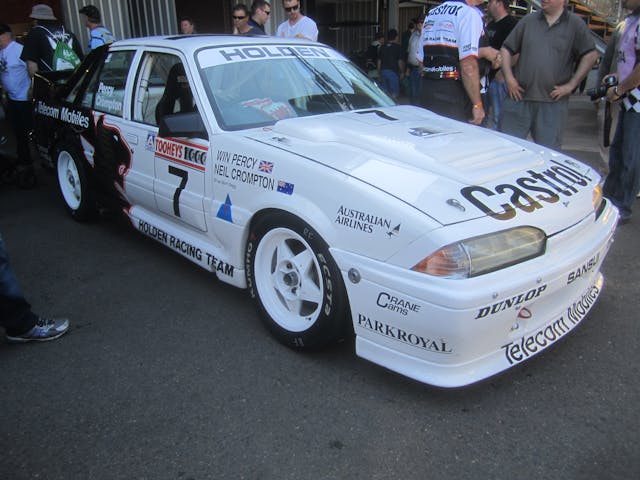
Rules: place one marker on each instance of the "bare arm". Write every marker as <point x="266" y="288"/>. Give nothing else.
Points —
<point x="471" y="81"/>
<point x="516" y="91"/>
<point x="586" y="62"/>
<point x="629" y="83"/>
<point x="32" y="67"/>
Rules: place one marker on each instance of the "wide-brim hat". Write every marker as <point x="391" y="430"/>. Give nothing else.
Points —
<point x="42" y="12"/>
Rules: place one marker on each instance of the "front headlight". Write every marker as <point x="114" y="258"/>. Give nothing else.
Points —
<point x="597" y="196"/>
<point x="487" y="253"/>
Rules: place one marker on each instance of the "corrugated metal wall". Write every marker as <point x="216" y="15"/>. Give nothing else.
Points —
<point x="153" y="17"/>
<point x="125" y="18"/>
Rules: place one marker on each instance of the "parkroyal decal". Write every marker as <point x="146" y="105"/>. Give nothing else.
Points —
<point x="184" y="153"/>
<point x="395" y="333"/>
<point x="67" y="115"/>
<point x="396" y="304"/>
<point x="263" y="52"/>
<point x="547" y="187"/>
<point x="185" y="248"/>
<point x="511" y="302"/>
<point x="516" y="352"/>
<point x="245" y="169"/>
<point x="364" y="221"/>
<point x="585" y="268"/>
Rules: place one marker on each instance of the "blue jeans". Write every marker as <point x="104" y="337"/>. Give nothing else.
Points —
<point x="391" y="82"/>
<point x="497" y="93"/>
<point x="15" y="311"/>
<point x="415" y="80"/>
<point x="623" y="182"/>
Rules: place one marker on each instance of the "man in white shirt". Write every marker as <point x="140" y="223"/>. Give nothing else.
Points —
<point x="298" y="25"/>
<point x="16" y="83"/>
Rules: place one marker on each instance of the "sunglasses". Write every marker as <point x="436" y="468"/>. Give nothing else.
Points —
<point x="267" y="12"/>
<point x="238" y="18"/>
<point x="291" y="9"/>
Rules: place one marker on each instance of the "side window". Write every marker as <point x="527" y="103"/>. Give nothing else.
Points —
<point x="111" y="82"/>
<point x="154" y="86"/>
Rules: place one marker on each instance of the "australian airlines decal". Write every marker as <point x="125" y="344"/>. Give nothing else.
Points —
<point x="528" y="193"/>
<point x="184" y="153"/>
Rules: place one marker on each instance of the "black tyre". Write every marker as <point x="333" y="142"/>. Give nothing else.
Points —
<point x="74" y="185"/>
<point x="296" y="283"/>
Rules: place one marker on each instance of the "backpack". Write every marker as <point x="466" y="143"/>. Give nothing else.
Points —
<point x="64" y="56"/>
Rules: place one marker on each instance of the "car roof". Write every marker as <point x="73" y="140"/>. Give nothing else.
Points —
<point x="190" y="43"/>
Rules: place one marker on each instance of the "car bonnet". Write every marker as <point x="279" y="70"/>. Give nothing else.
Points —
<point x="451" y="171"/>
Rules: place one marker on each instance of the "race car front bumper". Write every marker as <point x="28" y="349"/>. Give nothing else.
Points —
<point x="454" y="332"/>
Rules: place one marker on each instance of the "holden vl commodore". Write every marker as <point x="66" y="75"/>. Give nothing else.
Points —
<point x="451" y="251"/>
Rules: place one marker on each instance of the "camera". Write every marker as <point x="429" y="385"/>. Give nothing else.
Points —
<point x="601" y="90"/>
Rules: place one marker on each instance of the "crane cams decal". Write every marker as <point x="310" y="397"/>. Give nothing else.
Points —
<point x="564" y="181"/>
<point x="394" y="303"/>
<point x="516" y="352"/>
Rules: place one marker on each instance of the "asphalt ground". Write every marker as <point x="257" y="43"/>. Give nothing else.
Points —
<point x="168" y="374"/>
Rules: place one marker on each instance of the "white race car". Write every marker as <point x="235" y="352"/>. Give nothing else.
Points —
<point x="453" y="252"/>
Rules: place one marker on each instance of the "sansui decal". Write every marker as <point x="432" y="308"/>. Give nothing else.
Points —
<point x="511" y="302"/>
<point x="587" y="267"/>
<point x="563" y="181"/>
<point x="428" y="344"/>
<point x="395" y="304"/>
<point x="516" y="352"/>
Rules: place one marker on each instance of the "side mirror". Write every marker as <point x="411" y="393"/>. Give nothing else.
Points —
<point x="182" y="125"/>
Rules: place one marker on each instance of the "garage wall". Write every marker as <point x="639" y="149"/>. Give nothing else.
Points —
<point x="125" y="18"/>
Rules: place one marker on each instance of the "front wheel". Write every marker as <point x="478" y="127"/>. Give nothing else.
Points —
<point x="296" y="283"/>
<point x="74" y="185"/>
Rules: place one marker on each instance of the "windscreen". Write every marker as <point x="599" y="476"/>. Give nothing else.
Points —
<point x="253" y="86"/>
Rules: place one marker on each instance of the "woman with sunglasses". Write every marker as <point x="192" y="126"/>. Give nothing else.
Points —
<point x="297" y="25"/>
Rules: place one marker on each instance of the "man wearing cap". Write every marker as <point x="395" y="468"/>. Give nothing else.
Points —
<point x="40" y="42"/>
<point x="16" y="83"/>
<point x="98" y="34"/>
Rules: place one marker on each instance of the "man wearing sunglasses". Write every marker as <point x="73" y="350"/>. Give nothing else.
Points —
<point x="298" y="25"/>
<point x="260" y="11"/>
<point x="240" y="16"/>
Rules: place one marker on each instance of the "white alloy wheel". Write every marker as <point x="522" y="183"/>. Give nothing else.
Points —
<point x="296" y="283"/>
<point x="69" y="180"/>
<point x="288" y="278"/>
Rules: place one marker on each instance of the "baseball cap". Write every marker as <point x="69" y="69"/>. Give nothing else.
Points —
<point x="4" y="28"/>
<point x="42" y="12"/>
<point x="91" y="12"/>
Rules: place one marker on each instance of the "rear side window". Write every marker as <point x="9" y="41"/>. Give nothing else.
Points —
<point x="150" y="91"/>
<point x="109" y="87"/>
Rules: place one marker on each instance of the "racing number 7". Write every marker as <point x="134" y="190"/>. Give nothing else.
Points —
<point x="184" y="175"/>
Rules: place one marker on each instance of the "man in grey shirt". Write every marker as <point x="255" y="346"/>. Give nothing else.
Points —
<point x="549" y="43"/>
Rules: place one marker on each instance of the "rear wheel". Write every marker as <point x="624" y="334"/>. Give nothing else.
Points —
<point x="74" y="185"/>
<point x="296" y="283"/>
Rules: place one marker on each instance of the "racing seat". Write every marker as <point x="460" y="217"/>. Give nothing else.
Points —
<point x="177" y="90"/>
